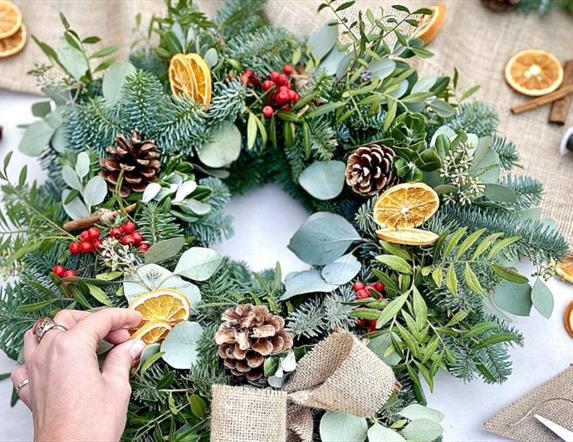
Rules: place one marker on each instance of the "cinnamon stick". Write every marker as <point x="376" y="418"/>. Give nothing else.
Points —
<point x="560" y="108"/>
<point x="545" y="99"/>
<point x="88" y="221"/>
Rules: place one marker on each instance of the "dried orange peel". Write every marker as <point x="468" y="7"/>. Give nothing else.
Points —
<point x="13" y="44"/>
<point x="401" y="209"/>
<point x="158" y="308"/>
<point x="10" y="19"/>
<point x="564" y="269"/>
<point x="190" y="76"/>
<point x="534" y="72"/>
<point x="430" y="25"/>
<point x="152" y="332"/>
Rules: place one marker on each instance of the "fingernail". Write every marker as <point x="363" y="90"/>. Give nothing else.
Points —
<point x="136" y="348"/>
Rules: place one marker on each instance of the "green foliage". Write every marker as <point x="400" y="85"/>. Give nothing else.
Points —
<point x="156" y="223"/>
<point x="475" y="118"/>
<point x="506" y="150"/>
<point x="544" y="6"/>
<point x="228" y="102"/>
<point x="528" y="190"/>
<point x="540" y="242"/>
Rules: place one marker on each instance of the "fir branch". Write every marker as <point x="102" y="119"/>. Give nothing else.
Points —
<point x="528" y="190"/>
<point x="182" y="127"/>
<point x="156" y="223"/>
<point x="475" y="118"/>
<point x="506" y="150"/>
<point x="228" y="102"/>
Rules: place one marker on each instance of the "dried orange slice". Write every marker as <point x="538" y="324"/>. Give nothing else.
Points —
<point x="151" y="332"/>
<point x="408" y="236"/>
<point x="10" y="18"/>
<point x="565" y="269"/>
<point x="202" y="76"/>
<point x="169" y="305"/>
<point x="181" y="77"/>
<point x="534" y="72"/>
<point x="430" y="25"/>
<point x="406" y="205"/>
<point x="13" y="44"/>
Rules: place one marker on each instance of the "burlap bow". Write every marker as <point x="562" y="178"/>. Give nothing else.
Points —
<point x="340" y="374"/>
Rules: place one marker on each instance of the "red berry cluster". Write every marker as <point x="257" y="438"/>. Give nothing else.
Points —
<point x="363" y="291"/>
<point x="128" y="235"/>
<point x="281" y="96"/>
<point x="89" y="242"/>
<point x="60" y="271"/>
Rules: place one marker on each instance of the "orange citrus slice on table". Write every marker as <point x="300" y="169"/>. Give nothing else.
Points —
<point x="534" y="72"/>
<point x="202" y="75"/>
<point x="181" y="77"/>
<point x="151" y="332"/>
<point x="406" y="205"/>
<point x="169" y="305"/>
<point x="565" y="269"/>
<point x="10" y="18"/>
<point x="430" y="25"/>
<point x="13" y="44"/>
<point x="408" y="236"/>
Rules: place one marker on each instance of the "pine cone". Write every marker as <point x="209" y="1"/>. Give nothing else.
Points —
<point x="369" y="169"/>
<point x="500" y="5"/>
<point x="139" y="160"/>
<point x="248" y="336"/>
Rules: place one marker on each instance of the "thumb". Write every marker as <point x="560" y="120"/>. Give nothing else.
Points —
<point x="120" y="359"/>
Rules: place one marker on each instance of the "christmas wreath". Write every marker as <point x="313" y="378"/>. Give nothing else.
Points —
<point x="418" y="223"/>
<point x="544" y="7"/>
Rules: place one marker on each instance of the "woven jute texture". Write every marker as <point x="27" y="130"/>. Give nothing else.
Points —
<point x="553" y="400"/>
<point x="475" y="40"/>
<point x="244" y="414"/>
<point x="339" y="374"/>
<point x="342" y="374"/>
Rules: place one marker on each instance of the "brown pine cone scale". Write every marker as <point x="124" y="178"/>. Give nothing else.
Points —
<point x="139" y="160"/>
<point x="248" y="335"/>
<point x="369" y="169"/>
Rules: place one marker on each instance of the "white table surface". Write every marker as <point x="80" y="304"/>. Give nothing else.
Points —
<point x="264" y="222"/>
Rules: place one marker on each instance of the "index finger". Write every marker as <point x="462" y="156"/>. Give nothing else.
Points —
<point x="98" y="325"/>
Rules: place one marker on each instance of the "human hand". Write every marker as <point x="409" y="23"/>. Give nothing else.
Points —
<point x="71" y="398"/>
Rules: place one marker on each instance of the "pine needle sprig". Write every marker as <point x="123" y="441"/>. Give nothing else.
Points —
<point x="506" y="150"/>
<point x="475" y="118"/>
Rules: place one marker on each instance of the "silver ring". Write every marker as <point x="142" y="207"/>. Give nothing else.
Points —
<point x="22" y="384"/>
<point x="44" y="325"/>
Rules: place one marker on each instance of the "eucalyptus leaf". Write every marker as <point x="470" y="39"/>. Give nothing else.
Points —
<point x="59" y="141"/>
<point x="323" y="180"/>
<point x="180" y="346"/>
<point x="71" y="177"/>
<point x="164" y="250"/>
<point x="114" y="79"/>
<point x="323" y="238"/>
<point x="332" y="61"/>
<point x="195" y="206"/>
<point x="224" y="147"/>
<point x="486" y="164"/>
<point x="151" y="277"/>
<point x="73" y="60"/>
<point x="322" y="42"/>
<point x="184" y="190"/>
<point x="422" y="430"/>
<point x="383" y="347"/>
<point x="36" y="138"/>
<point x="150" y="192"/>
<point x="83" y="164"/>
<point x="306" y="281"/>
<point x="95" y="191"/>
<point x="514" y="298"/>
<point x="41" y="109"/>
<point x="424" y="84"/>
<point x="339" y="427"/>
<point x="75" y="209"/>
<point x="497" y="192"/>
<point x="147" y="353"/>
<point x="382" y="68"/>
<point x="542" y="298"/>
<point x="198" y="263"/>
<point x="211" y="57"/>
<point x="417" y="411"/>
<point x="342" y="270"/>
<point x="378" y="433"/>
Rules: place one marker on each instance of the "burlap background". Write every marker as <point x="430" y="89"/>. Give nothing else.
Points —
<point x="475" y="40"/>
<point x="553" y="400"/>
